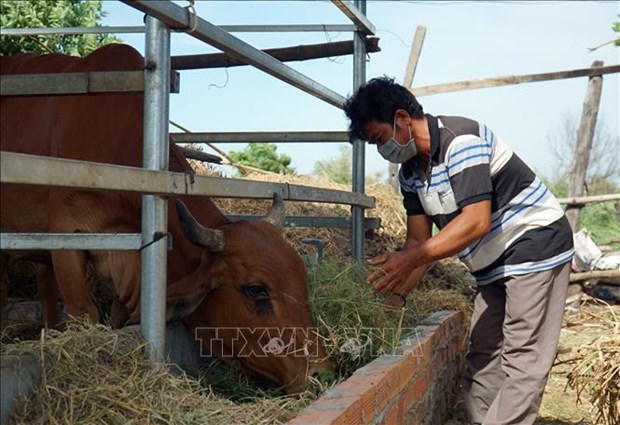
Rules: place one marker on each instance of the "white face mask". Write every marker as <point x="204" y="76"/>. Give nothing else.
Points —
<point x="395" y="152"/>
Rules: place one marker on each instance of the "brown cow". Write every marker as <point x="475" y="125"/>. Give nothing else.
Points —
<point x="232" y="276"/>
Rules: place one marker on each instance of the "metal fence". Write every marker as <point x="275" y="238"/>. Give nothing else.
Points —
<point x="152" y="180"/>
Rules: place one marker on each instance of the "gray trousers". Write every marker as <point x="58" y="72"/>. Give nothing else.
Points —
<point x="515" y="330"/>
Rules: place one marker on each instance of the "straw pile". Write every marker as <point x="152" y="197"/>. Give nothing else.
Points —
<point x="94" y="375"/>
<point x="337" y="241"/>
<point x="595" y="373"/>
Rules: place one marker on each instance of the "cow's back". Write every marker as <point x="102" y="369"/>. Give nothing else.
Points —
<point x="96" y="127"/>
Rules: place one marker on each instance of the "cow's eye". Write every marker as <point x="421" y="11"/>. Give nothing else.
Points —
<point x="256" y="291"/>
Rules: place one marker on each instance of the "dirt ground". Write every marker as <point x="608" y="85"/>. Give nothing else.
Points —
<point x="559" y="404"/>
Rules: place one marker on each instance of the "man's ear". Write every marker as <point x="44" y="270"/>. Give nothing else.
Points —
<point x="402" y="118"/>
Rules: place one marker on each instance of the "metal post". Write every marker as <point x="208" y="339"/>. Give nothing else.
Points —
<point x="359" y="77"/>
<point x="155" y="208"/>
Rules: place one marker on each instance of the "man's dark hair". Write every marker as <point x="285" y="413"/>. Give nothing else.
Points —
<point x="378" y="100"/>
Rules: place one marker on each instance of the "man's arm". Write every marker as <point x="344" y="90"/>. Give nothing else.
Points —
<point x="396" y="270"/>
<point x="419" y="229"/>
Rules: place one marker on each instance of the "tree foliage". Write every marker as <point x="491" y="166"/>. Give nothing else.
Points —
<point x="339" y="168"/>
<point x="56" y="13"/>
<point x="616" y="28"/>
<point x="265" y="157"/>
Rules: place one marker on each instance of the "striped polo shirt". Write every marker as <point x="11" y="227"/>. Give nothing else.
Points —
<point x="469" y="163"/>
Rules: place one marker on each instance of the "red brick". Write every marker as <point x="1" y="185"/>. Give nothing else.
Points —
<point x="440" y="360"/>
<point x="351" y="415"/>
<point x="409" y="396"/>
<point x="314" y="417"/>
<point x="420" y="385"/>
<point x="381" y="398"/>
<point x="391" y="417"/>
<point x="392" y="386"/>
<point x="368" y="405"/>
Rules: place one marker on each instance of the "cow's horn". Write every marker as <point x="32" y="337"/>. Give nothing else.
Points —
<point x="212" y="239"/>
<point x="275" y="215"/>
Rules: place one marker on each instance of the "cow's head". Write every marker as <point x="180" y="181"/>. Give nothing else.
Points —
<point x="255" y="312"/>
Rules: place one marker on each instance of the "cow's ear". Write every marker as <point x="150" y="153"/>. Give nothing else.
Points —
<point x="211" y="239"/>
<point x="179" y="307"/>
<point x="185" y="295"/>
<point x="276" y="214"/>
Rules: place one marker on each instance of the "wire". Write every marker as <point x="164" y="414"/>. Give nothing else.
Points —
<point x="515" y="2"/>
<point x="223" y="85"/>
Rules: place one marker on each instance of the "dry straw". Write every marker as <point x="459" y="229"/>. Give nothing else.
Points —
<point x="93" y="375"/>
<point x="595" y="374"/>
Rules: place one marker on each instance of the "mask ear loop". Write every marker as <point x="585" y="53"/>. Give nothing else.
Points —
<point x="394" y="128"/>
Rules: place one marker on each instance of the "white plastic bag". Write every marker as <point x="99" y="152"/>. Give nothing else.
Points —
<point x="586" y="251"/>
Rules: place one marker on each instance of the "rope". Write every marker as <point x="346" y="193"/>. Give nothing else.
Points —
<point x="156" y="237"/>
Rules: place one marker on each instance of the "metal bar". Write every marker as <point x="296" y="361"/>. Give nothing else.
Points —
<point x="356" y="15"/>
<point x="177" y="17"/>
<point x="314" y="221"/>
<point x="140" y="29"/>
<point x="199" y="155"/>
<point x="57" y="172"/>
<point x="73" y="30"/>
<point x="91" y="241"/>
<point x="290" y="28"/>
<point x="154" y="207"/>
<point x="71" y="83"/>
<point x="283" y="54"/>
<point x="266" y="137"/>
<point x="359" y="157"/>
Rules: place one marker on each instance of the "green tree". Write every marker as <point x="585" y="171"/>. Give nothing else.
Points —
<point x="616" y="28"/>
<point x="263" y="156"/>
<point x="56" y="13"/>
<point x="339" y="168"/>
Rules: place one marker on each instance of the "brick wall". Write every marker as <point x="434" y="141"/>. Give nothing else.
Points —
<point x="415" y="387"/>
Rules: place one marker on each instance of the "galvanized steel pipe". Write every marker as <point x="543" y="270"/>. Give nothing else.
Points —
<point x="155" y="208"/>
<point x="358" y="172"/>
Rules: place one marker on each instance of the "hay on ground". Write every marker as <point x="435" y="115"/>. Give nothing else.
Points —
<point x="93" y="375"/>
<point x="595" y="374"/>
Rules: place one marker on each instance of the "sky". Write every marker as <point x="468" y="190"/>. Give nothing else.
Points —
<point x="464" y="40"/>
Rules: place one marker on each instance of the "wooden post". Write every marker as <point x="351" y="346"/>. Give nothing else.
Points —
<point x="414" y="55"/>
<point x="583" y="146"/>
<point x="393" y="176"/>
<point x="412" y="64"/>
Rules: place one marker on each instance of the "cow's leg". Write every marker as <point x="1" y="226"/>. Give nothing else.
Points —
<point x="70" y="273"/>
<point x="126" y="276"/>
<point x="47" y="290"/>
<point x="118" y="315"/>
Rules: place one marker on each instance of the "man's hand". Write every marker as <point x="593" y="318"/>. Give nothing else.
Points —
<point x="393" y="272"/>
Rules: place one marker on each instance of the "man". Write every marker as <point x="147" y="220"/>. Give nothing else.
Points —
<point x="502" y="222"/>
